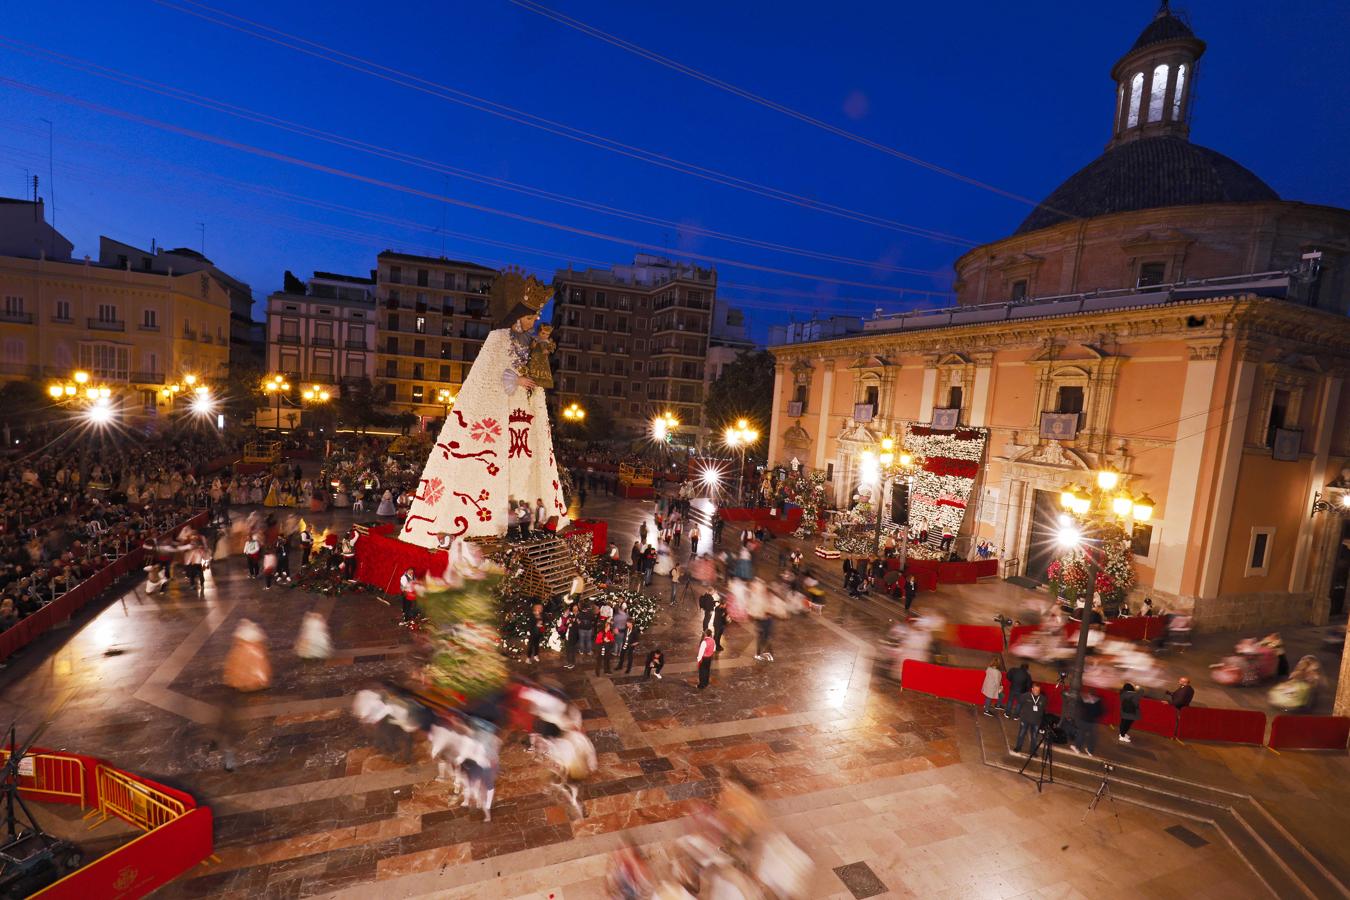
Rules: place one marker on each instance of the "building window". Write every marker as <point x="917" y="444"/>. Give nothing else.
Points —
<point x="1158" y="95"/>
<point x="421" y="277"/>
<point x="108" y="361"/>
<point x="62" y="311"/>
<point x="1258" y="551"/>
<point x="1151" y="273"/>
<point x="356" y="336"/>
<point x="150" y="318"/>
<point x="595" y="386"/>
<point x="599" y="324"/>
<point x="13" y="306"/>
<point x="323" y="365"/>
<point x="445" y="372"/>
<point x="290" y="330"/>
<point x="1069" y="399"/>
<point x="419" y="370"/>
<point x="419" y="347"/>
<point x="395" y="276"/>
<point x="1176" y="93"/>
<point x="391" y="345"/>
<point x="417" y="393"/>
<point x="290" y="363"/>
<point x="954" y="397"/>
<point x="356" y="367"/>
<point x="600" y="299"/>
<point x="1280" y="401"/>
<point x="1136" y="95"/>
<point x="420" y="326"/>
<point x="1017" y="292"/>
<point x="390" y="368"/>
<point x="1141" y="539"/>
<point x="637" y="366"/>
<point x="393" y="321"/>
<point x="390" y="393"/>
<point x="107" y="312"/>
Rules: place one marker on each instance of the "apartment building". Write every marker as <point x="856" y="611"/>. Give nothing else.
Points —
<point x="132" y="329"/>
<point x="431" y="319"/>
<point x="322" y="331"/>
<point x="634" y="339"/>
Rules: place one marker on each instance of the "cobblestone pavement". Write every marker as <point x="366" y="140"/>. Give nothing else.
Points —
<point x="879" y="785"/>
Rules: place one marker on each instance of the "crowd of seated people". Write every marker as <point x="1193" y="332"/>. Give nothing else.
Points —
<point x="64" y="518"/>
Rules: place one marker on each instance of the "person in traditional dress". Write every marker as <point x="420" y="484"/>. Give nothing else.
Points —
<point x="497" y="442"/>
<point x="246" y="667"/>
<point x="314" y="642"/>
<point x="386" y="507"/>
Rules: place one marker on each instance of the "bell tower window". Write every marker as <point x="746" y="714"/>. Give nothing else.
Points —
<point x="1158" y="94"/>
<point x="1136" y="95"/>
<point x="1177" y="93"/>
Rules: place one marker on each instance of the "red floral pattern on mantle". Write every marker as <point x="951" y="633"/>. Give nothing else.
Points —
<point x="959" y="468"/>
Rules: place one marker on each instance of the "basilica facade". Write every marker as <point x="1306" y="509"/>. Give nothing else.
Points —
<point x="1163" y="314"/>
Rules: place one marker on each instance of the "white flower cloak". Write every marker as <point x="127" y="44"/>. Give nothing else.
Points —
<point x="496" y="446"/>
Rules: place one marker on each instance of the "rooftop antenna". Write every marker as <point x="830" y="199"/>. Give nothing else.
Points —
<point x="51" y="170"/>
<point x="201" y="226"/>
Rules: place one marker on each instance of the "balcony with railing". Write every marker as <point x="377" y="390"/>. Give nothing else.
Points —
<point x="147" y="377"/>
<point x="287" y="338"/>
<point x="322" y="341"/>
<point x="148" y="326"/>
<point x="206" y="337"/>
<point x="107" y="324"/>
<point x="357" y="344"/>
<point x="16" y="316"/>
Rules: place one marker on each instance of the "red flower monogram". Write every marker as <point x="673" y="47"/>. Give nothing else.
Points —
<point x="486" y="430"/>
<point x="433" y="491"/>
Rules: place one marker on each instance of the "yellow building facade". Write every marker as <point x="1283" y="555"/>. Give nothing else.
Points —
<point x="134" y="331"/>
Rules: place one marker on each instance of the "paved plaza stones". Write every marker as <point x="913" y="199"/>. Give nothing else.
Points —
<point x="883" y="789"/>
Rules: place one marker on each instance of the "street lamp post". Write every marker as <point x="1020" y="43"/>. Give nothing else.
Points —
<point x="1093" y="507"/>
<point x="445" y="397"/>
<point x="574" y="413"/>
<point x="274" y="387"/>
<point x="740" y="437"/>
<point x="887" y="464"/>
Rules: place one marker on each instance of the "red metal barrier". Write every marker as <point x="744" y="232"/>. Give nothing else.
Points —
<point x="957" y="573"/>
<point x="1309" y="732"/>
<point x="31" y="627"/>
<point x="597" y="529"/>
<point x="943" y="681"/>
<point x="1233" y="726"/>
<point x="150" y="861"/>
<point x="988" y="638"/>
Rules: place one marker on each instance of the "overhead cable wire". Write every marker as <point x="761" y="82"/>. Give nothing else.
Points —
<point x="441" y="91"/>
<point x="185" y="96"/>
<point x="690" y="71"/>
<point x="417" y="192"/>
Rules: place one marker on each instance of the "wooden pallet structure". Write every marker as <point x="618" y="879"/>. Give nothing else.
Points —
<point x="548" y="564"/>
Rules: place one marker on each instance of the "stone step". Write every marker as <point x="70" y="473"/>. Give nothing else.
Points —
<point x="1286" y="867"/>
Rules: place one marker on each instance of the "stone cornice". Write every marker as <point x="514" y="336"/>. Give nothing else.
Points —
<point x="1252" y="319"/>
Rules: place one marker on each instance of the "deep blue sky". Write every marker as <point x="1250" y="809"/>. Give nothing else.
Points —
<point x="1015" y="95"/>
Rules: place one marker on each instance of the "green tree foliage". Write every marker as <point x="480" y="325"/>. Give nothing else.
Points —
<point x="743" y="391"/>
<point x="356" y="406"/>
<point x="27" y="403"/>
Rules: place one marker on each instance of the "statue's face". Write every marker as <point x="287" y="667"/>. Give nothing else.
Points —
<point x="525" y="323"/>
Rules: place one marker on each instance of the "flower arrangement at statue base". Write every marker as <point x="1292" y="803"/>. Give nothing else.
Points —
<point x="320" y="579"/>
<point x="808" y="492"/>
<point x="1068" y="575"/>
<point x="465" y="662"/>
<point x="518" y="615"/>
<point x="855" y="545"/>
<point x="941" y="487"/>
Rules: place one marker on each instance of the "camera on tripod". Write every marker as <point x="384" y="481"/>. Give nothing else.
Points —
<point x="1001" y="619"/>
<point x="1106" y="766"/>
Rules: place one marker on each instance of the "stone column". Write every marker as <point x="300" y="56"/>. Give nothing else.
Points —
<point x="1330" y="402"/>
<point x="823" y="418"/>
<point x="1342" y="707"/>
<point x="780" y="375"/>
<point x="979" y="400"/>
<point x="1229" y="461"/>
<point x="1197" y="393"/>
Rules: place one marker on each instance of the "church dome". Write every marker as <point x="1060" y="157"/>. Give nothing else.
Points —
<point x="1147" y="174"/>
<point x="1164" y="27"/>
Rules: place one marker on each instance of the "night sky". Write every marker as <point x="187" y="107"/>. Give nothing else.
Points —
<point x="1013" y="95"/>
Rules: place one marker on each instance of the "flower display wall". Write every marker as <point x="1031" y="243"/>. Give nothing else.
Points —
<point x="941" y="488"/>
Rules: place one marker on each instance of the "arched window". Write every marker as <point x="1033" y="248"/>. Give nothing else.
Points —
<point x="1158" y="94"/>
<point x="1177" y="94"/>
<point x="1120" y="103"/>
<point x="1136" y="95"/>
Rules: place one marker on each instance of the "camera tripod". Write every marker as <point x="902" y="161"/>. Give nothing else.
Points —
<point x="1103" y="790"/>
<point x="1047" y="757"/>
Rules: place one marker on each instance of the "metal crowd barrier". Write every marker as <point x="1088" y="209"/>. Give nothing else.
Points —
<point x="60" y="777"/>
<point x="132" y="801"/>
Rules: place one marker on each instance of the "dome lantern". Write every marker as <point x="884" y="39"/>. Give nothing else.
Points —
<point x="1155" y="80"/>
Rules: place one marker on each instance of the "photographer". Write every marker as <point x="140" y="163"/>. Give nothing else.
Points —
<point x="1031" y="716"/>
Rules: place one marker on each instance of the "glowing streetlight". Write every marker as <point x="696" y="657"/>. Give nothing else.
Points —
<point x="274" y="387"/>
<point x="316" y="394"/>
<point x="663" y="425"/>
<point x="574" y="413"/>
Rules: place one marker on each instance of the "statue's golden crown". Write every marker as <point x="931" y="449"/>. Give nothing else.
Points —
<point x="512" y="286"/>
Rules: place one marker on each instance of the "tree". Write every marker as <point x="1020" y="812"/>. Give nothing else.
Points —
<point x="356" y="407"/>
<point x="744" y="390"/>
<point x="27" y="403"/>
<point x="243" y="392"/>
